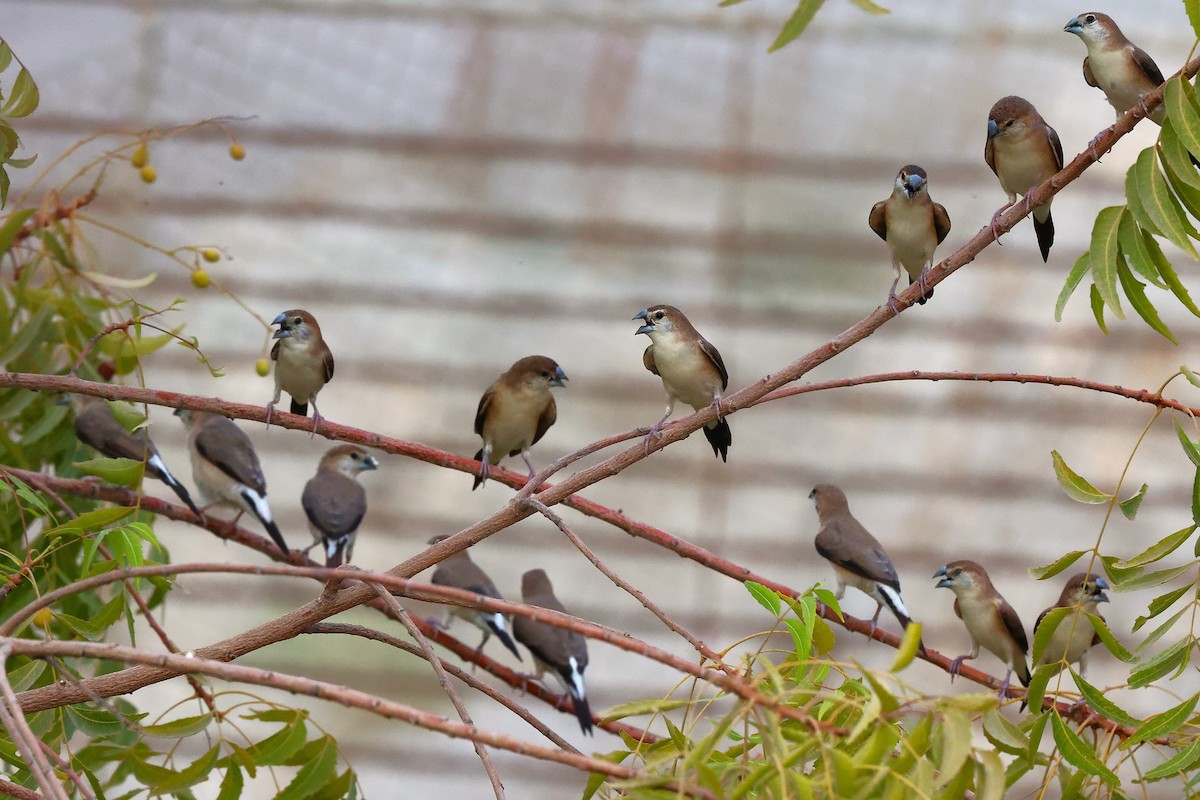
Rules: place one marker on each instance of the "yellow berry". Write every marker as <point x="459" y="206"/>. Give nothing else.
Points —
<point x="43" y="617"/>
<point x="210" y="255"/>
<point x="149" y="174"/>
<point x="237" y="152"/>
<point x="140" y="156"/>
<point x="200" y="278"/>
<point x="262" y="367"/>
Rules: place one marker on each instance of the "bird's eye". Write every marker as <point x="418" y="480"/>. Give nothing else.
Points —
<point x="297" y="321"/>
<point x="1009" y="123"/>
<point x="545" y="374"/>
<point x="1090" y="18"/>
<point x="355" y="456"/>
<point x="658" y="315"/>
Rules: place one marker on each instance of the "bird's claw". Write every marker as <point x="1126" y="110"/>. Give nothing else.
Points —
<point x="955" y="667"/>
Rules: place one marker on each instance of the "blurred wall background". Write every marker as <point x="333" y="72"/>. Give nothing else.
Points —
<point x="449" y="186"/>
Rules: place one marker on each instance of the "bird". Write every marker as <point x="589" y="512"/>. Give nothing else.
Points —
<point x="1074" y="635"/>
<point x="1024" y="152"/>
<point x="226" y="470"/>
<point x="335" y="502"/>
<point x="1115" y="65"/>
<point x="460" y="572"/>
<point x="97" y="427"/>
<point x="516" y="411"/>
<point x="303" y="363"/>
<point x="913" y="226"/>
<point x="691" y="370"/>
<point x="857" y="557"/>
<point x="991" y="622"/>
<point x="557" y="650"/>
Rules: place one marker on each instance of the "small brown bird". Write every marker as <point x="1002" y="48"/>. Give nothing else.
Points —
<point x="558" y="650"/>
<point x="226" y="470"/>
<point x="303" y="363"/>
<point x="335" y="502"/>
<point x="913" y="226"/>
<point x="460" y="572"/>
<point x="1024" y="152"/>
<point x="516" y="411"/>
<point x="990" y="620"/>
<point x="96" y="426"/>
<point x="858" y="558"/>
<point x="1115" y="65"/>
<point x="1074" y="635"/>
<point x="691" y="370"/>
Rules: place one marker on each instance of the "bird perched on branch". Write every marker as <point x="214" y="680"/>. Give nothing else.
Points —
<point x="95" y="425"/>
<point x="303" y="363"/>
<point x="554" y="649"/>
<point x="991" y="622"/>
<point x="857" y="557"/>
<point x="460" y="572"/>
<point x="1115" y="65"/>
<point x="335" y="502"/>
<point x="1074" y="635"/>
<point x="516" y="411"/>
<point x="691" y="370"/>
<point x="226" y="469"/>
<point x="1024" y="152"/>
<point x="913" y="226"/>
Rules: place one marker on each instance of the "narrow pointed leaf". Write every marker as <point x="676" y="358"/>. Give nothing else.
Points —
<point x="1190" y="449"/>
<point x="1171" y="277"/>
<point x="1129" y="507"/>
<point x="1103" y="256"/>
<point x="1162" y="664"/>
<point x="1183" y="761"/>
<point x="1096" y="699"/>
<point x="1082" y="265"/>
<point x="1097" y="308"/>
<point x="908" y="647"/>
<point x="1135" y="290"/>
<point x="1076" y="487"/>
<point x="1079" y="753"/>
<point x="767" y="598"/>
<point x="1056" y="566"/>
<point x="1136" y="252"/>
<point x="1163" y="724"/>
<point x="1179" y="99"/>
<point x="1160" y="549"/>
<point x="1161" y="205"/>
<point x="805" y="11"/>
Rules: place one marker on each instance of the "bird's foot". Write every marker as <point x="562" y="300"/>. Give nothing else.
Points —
<point x="485" y="470"/>
<point x="270" y="413"/>
<point x="956" y="666"/>
<point x="317" y="420"/>
<point x="1142" y="105"/>
<point x="716" y="403"/>
<point x="435" y="623"/>
<point x="1003" y="691"/>
<point x="1092" y="147"/>
<point x="995" y="223"/>
<point x="921" y="284"/>
<point x="655" y="430"/>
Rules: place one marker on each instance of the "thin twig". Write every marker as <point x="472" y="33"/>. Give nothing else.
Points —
<point x="20" y="792"/>
<point x="464" y="676"/>
<point x="47" y="218"/>
<point x="83" y="788"/>
<point x="444" y="680"/>
<point x="704" y="650"/>
<point x="13" y="719"/>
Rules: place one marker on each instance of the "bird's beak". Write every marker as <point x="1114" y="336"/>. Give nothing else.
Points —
<point x="559" y="377"/>
<point x="945" y="582"/>
<point x="1099" y="596"/>
<point x="643" y="314"/>
<point x="1073" y="26"/>
<point x="63" y="399"/>
<point x="370" y="463"/>
<point x="993" y="128"/>
<point x="179" y="412"/>
<point x="282" y="333"/>
<point x="914" y="184"/>
<point x="279" y="320"/>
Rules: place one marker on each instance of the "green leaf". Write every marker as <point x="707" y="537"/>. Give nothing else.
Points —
<point x="1160" y="204"/>
<point x="91" y="521"/>
<point x="1158" y="632"/>
<point x="94" y="628"/>
<point x="1006" y="736"/>
<point x="179" y="728"/>
<point x="1179" y="100"/>
<point x="94" y="722"/>
<point x="195" y="773"/>
<point x="26" y="675"/>
<point x="1171" y="277"/>
<point x="1148" y="580"/>
<point x="1096" y="699"/>
<point x="805" y="11"/>
<point x="1160" y="604"/>
<point x="1079" y="753"/>
<point x="34" y="330"/>
<point x="1177" y="167"/>
<point x="1130" y="506"/>
<point x="956" y="745"/>
<point x="1076" y="487"/>
<point x="1163" y="724"/>
<point x="1189" y="447"/>
<point x="313" y="775"/>
<point x="767" y="598"/>
<point x="909" y="646"/>
<point x="12" y="226"/>
<point x="1137" y="252"/>
<point x="1136" y="208"/>
<point x="1135" y="290"/>
<point x="1049" y="624"/>
<point x="871" y="8"/>
<point x="277" y="748"/>
<point x="1164" y="547"/>
<point x="829" y="600"/>
<point x="1036" y="691"/>
<point x="640" y="708"/>
<point x="1193" y="13"/>
<point x="1196" y="504"/>
<point x="121" y="471"/>
<point x="801" y="638"/>
<point x="1082" y="265"/>
<point x="1056" y="566"/>
<point x="232" y="784"/>
<point x="339" y="788"/>
<point x="1103" y="256"/>
<point x="1169" y="660"/>
<point x="1109" y="641"/>
<point x="1098" y="309"/>
<point x="1183" y="761"/>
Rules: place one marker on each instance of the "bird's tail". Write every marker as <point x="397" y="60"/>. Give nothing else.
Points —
<point x="299" y="408"/>
<point x="335" y="551"/>
<point x="495" y="623"/>
<point x="891" y="599"/>
<point x="156" y="467"/>
<point x="720" y="437"/>
<point x="261" y="510"/>
<point x="1022" y="668"/>
<point x="1045" y="232"/>
<point x="571" y="678"/>
<point x="479" y="479"/>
